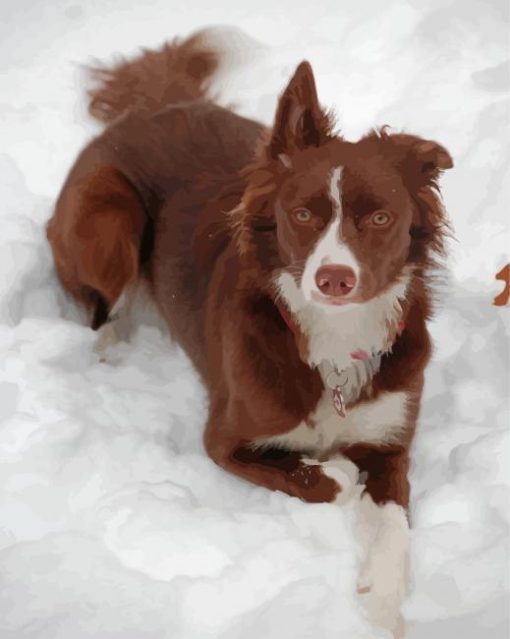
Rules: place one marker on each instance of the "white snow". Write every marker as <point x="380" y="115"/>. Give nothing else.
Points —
<point x="113" y="521"/>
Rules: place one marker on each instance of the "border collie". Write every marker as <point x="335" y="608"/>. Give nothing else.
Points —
<point x="290" y="264"/>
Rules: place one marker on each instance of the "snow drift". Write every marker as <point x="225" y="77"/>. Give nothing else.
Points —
<point x="113" y="522"/>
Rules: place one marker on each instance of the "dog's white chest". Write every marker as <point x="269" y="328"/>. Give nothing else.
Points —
<point x="378" y="421"/>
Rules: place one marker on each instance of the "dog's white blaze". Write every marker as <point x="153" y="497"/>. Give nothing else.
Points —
<point x="334" y="189"/>
<point x="379" y="421"/>
<point x="330" y="249"/>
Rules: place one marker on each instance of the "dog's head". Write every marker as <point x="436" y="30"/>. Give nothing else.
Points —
<point x="342" y="219"/>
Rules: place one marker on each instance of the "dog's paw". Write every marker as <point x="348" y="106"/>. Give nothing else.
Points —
<point x="107" y="338"/>
<point x="342" y="471"/>
<point x="382" y="584"/>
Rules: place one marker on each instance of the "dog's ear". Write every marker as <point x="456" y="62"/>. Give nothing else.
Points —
<point x="300" y="121"/>
<point x="421" y="163"/>
<point x="422" y="160"/>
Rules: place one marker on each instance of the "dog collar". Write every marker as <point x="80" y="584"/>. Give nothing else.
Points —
<point x="287" y="317"/>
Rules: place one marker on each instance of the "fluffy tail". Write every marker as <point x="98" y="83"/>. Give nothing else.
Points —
<point x="178" y="72"/>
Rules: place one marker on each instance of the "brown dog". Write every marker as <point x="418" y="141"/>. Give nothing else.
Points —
<point x="291" y="265"/>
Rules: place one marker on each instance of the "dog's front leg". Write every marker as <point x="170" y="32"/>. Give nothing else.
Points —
<point x="384" y="533"/>
<point x="287" y="471"/>
<point x="261" y="388"/>
<point x="383" y="530"/>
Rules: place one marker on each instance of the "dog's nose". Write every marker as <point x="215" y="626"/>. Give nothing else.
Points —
<point x="335" y="280"/>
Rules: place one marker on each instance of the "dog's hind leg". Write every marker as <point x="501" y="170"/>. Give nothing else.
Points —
<point x="95" y="235"/>
<point x="109" y="328"/>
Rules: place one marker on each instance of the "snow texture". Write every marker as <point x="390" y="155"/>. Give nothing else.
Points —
<point x="113" y="521"/>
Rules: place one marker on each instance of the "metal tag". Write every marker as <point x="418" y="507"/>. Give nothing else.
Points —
<point x="338" y="401"/>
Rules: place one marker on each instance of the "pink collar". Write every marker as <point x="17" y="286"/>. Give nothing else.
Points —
<point x="287" y="318"/>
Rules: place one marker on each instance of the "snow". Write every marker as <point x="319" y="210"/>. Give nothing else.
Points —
<point x="113" y="521"/>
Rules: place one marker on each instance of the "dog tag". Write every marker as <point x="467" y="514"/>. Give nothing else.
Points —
<point x="338" y="401"/>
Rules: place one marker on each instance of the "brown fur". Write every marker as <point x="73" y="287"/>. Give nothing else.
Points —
<point x="95" y="235"/>
<point x="137" y="84"/>
<point x="217" y="192"/>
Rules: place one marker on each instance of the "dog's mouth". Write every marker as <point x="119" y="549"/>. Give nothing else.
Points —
<point x="344" y="300"/>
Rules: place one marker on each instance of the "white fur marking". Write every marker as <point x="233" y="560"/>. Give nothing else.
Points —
<point x="334" y="189"/>
<point x="341" y="470"/>
<point x="334" y="334"/>
<point x="380" y="421"/>
<point x="384" y="534"/>
<point x="328" y="250"/>
<point x="134" y="307"/>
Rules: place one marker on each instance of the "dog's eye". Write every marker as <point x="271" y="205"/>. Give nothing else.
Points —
<point x="303" y="216"/>
<point x="380" y="218"/>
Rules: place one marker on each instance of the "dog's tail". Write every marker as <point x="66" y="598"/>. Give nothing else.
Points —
<point x="180" y="71"/>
